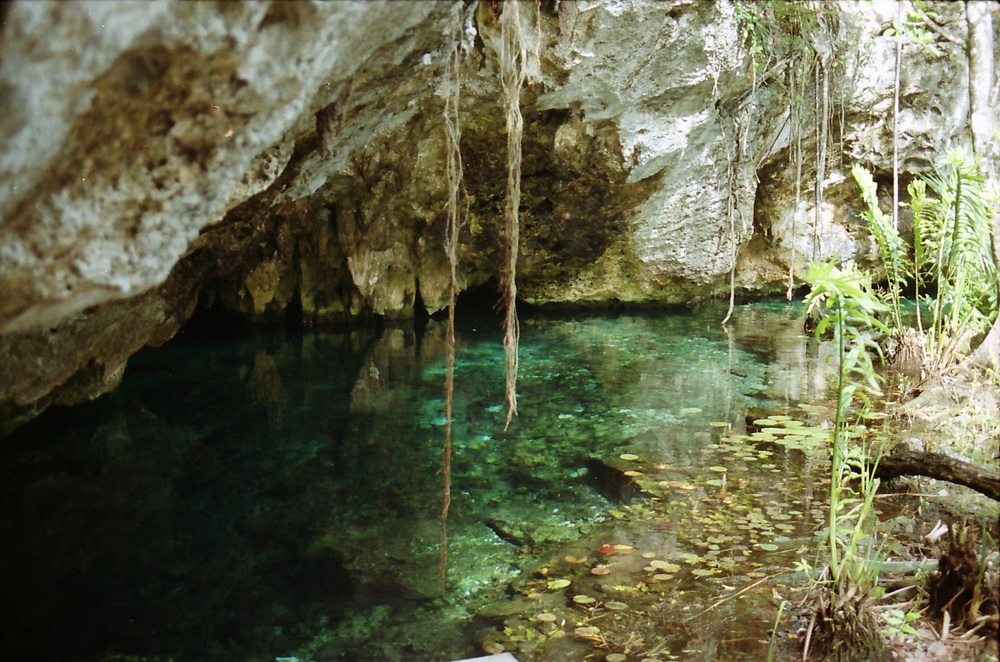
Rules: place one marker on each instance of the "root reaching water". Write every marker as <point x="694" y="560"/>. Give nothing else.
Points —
<point x="453" y="172"/>
<point x="513" y="72"/>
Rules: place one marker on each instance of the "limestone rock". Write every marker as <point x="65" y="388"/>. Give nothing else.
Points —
<point x="273" y="156"/>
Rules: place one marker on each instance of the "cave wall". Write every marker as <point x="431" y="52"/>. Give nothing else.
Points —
<point x="262" y="156"/>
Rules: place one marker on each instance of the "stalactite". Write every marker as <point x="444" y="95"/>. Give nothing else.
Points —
<point x="513" y="72"/>
<point x="453" y="174"/>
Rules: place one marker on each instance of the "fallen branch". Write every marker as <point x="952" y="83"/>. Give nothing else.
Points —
<point x="905" y="461"/>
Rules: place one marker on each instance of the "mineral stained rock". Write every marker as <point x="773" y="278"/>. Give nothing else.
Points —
<point x="267" y="156"/>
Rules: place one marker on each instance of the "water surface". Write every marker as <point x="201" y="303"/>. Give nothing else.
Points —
<point x="277" y="494"/>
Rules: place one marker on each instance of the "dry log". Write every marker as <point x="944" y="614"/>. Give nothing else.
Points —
<point x="905" y="461"/>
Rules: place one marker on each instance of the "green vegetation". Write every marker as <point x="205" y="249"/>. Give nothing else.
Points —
<point x="849" y="309"/>
<point x="952" y="253"/>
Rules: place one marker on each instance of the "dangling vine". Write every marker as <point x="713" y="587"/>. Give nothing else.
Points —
<point x="513" y="73"/>
<point x="453" y="176"/>
<point x="795" y="114"/>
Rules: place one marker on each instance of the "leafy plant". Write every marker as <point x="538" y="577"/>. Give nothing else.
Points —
<point x="898" y="265"/>
<point x="849" y="308"/>
<point x="953" y="210"/>
<point x="898" y="622"/>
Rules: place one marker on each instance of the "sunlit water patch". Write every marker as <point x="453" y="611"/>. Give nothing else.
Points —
<point x="278" y="495"/>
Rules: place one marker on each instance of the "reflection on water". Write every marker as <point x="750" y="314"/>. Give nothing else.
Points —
<point x="248" y="498"/>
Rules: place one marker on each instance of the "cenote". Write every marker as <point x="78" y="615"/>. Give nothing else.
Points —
<point x="278" y="494"/>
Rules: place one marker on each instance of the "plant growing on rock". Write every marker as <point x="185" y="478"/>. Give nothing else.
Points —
<point x="954" y="226"/>
<point x="952" y="252"/>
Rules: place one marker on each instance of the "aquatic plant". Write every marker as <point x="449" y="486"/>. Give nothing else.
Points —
<point x="841" y="619"/>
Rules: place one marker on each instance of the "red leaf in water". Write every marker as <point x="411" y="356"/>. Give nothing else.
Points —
<point x="608" y="549"/>
<point x="601" y="570"/>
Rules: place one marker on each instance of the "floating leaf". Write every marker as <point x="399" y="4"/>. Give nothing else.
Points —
<point x="600" y="570"/>
<point x="663" y="577"/>
<point x="610" y="548"/>
<point x="587" y="631"/>
<point x="616" y="657"/>
<point x="648" y="555"/>
<point x="546" y="617"/>
<point x="574" y="559"/>
<point x="632" y="473"/>
<point x="557" y="584"/>
<point x="615" y="605"/>
<point x="629" y="456"/>
<point x="702" y="572"/>
<point x="719" y="424"/>
<point x="690" y="410"/>
<point x="768" y="547"/>
<point x="664" y="565"/>
<point x="584" y="599"/>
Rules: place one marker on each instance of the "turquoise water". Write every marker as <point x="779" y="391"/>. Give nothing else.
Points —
<point x="278" y="494"/>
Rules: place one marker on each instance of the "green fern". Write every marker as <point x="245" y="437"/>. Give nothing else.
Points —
<point x="956" y="248"/>
<point x="898" y="266"/>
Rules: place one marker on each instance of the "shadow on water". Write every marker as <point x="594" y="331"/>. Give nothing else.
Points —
<point x="278" y="494"/>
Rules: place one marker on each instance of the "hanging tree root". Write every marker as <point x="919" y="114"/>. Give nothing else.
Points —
<point x="906" y="461"/>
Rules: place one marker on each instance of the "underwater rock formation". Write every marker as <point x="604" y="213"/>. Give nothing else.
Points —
<point x="274" y="156"/>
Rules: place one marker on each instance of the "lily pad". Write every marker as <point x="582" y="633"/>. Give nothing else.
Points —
<point x="584" y="599"/>
<point x="557" y="584"/>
